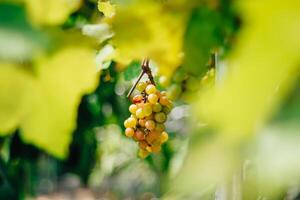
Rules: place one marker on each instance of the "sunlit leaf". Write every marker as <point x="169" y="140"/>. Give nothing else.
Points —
<point x="62" y="80"/>
<point x="50" y="12"/>
<point x="14" y="85"/>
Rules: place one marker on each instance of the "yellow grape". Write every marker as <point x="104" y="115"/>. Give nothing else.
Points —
<point x="155" y="149"/>
<point x="152" y="136"/>
<point x="150" y="125"/>
<point x="147" y="109"/>
<point x="164" y="101"/>
<point x="152" y="98"/>
<point x="130" y="122"/>
<point x="142" y="122"/>
<point x="150" y="89"/>
<point x="141" y="86"/>
<point x="143" y="153"/>
<point x="164" y="137"/>
<point x="140" y="113"/>
<point x="159" y="127"/>
<point x="129" y="132"/>
<point x="156" y="107"/>
<point x="160" y="117"/>
<point x="133" y="108"/>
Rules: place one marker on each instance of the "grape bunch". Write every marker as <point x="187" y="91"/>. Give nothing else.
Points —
<point x="149" y="110"/>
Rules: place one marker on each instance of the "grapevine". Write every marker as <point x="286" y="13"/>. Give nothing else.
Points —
<point x="149" y="110"/>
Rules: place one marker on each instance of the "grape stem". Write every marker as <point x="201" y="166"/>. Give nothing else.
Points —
<point x="145" y="70"/>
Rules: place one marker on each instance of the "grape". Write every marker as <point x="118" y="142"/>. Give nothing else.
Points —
<point x="163" y="93"/>
<point x="152" y="98"/>
<point x="159" y="127"/>
<point x="140" y="113"/>
<point x="150" y="89"/>
<point x="164" y="101"/>
<point x="148" y="114"/>
<point x="137" y="98"/>
<point x="142" y="122"/>
<point x="129" y="132"/>
<point x="166" y="110"/>
<point x="143" y="153"/>
<point x="139" y="135"/>
<point x="152" y="136"/>
<point x="156" y="107"/>
<point x="160" y="117"/>
<point x="147" y="109"/>
<point x="131" y="122"/>
<point x="164" y="137"/>
<point x="150" y="125"/>
<point x="141" y="86"/>
<point x="132" y="108"/>
<point x="155" y="149"/>
<point x="143" y="144"/>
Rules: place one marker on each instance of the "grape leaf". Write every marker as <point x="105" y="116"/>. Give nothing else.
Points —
<point x="202" y="35"/>
<point x="50" y="12"/>
<point x="44" y="105"/>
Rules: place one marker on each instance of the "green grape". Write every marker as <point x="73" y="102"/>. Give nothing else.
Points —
<point x="147" y="109"/>
<point x="160" y="117"/>
<point x="150" y="125"/>
<point x="140" y="113"/>
<point x="156" y="107"/>
<point x="152" y="98"/>
<point x="150" y="89"/>
<point x="166" y="110"/>
<point x="129" y="132"/>
<point x="141" y="86"/>
<point x="174" y="91"/>
<point x="133" y="108"/>
<point x="159" y="127"/>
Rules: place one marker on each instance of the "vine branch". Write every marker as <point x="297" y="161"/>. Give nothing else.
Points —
<point x="145" y="70"/>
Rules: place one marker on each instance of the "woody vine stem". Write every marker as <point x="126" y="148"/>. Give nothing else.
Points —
<point x="145" y="70"/>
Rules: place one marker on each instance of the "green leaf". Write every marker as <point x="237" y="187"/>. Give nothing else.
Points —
<point x="18" y="39"/>
<point x="132" y="71"/>
<point x="203" y="33"/>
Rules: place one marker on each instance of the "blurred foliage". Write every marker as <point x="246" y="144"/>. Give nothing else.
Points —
<point x="231" y="68"/>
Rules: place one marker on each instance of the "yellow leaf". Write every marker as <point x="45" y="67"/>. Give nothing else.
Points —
<point x="62" y="80"/>
<point x="14" y="83"/>
<point x="153" y="32"/>
<point x="106" y="8"/>
<point x="50" y="12"/>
